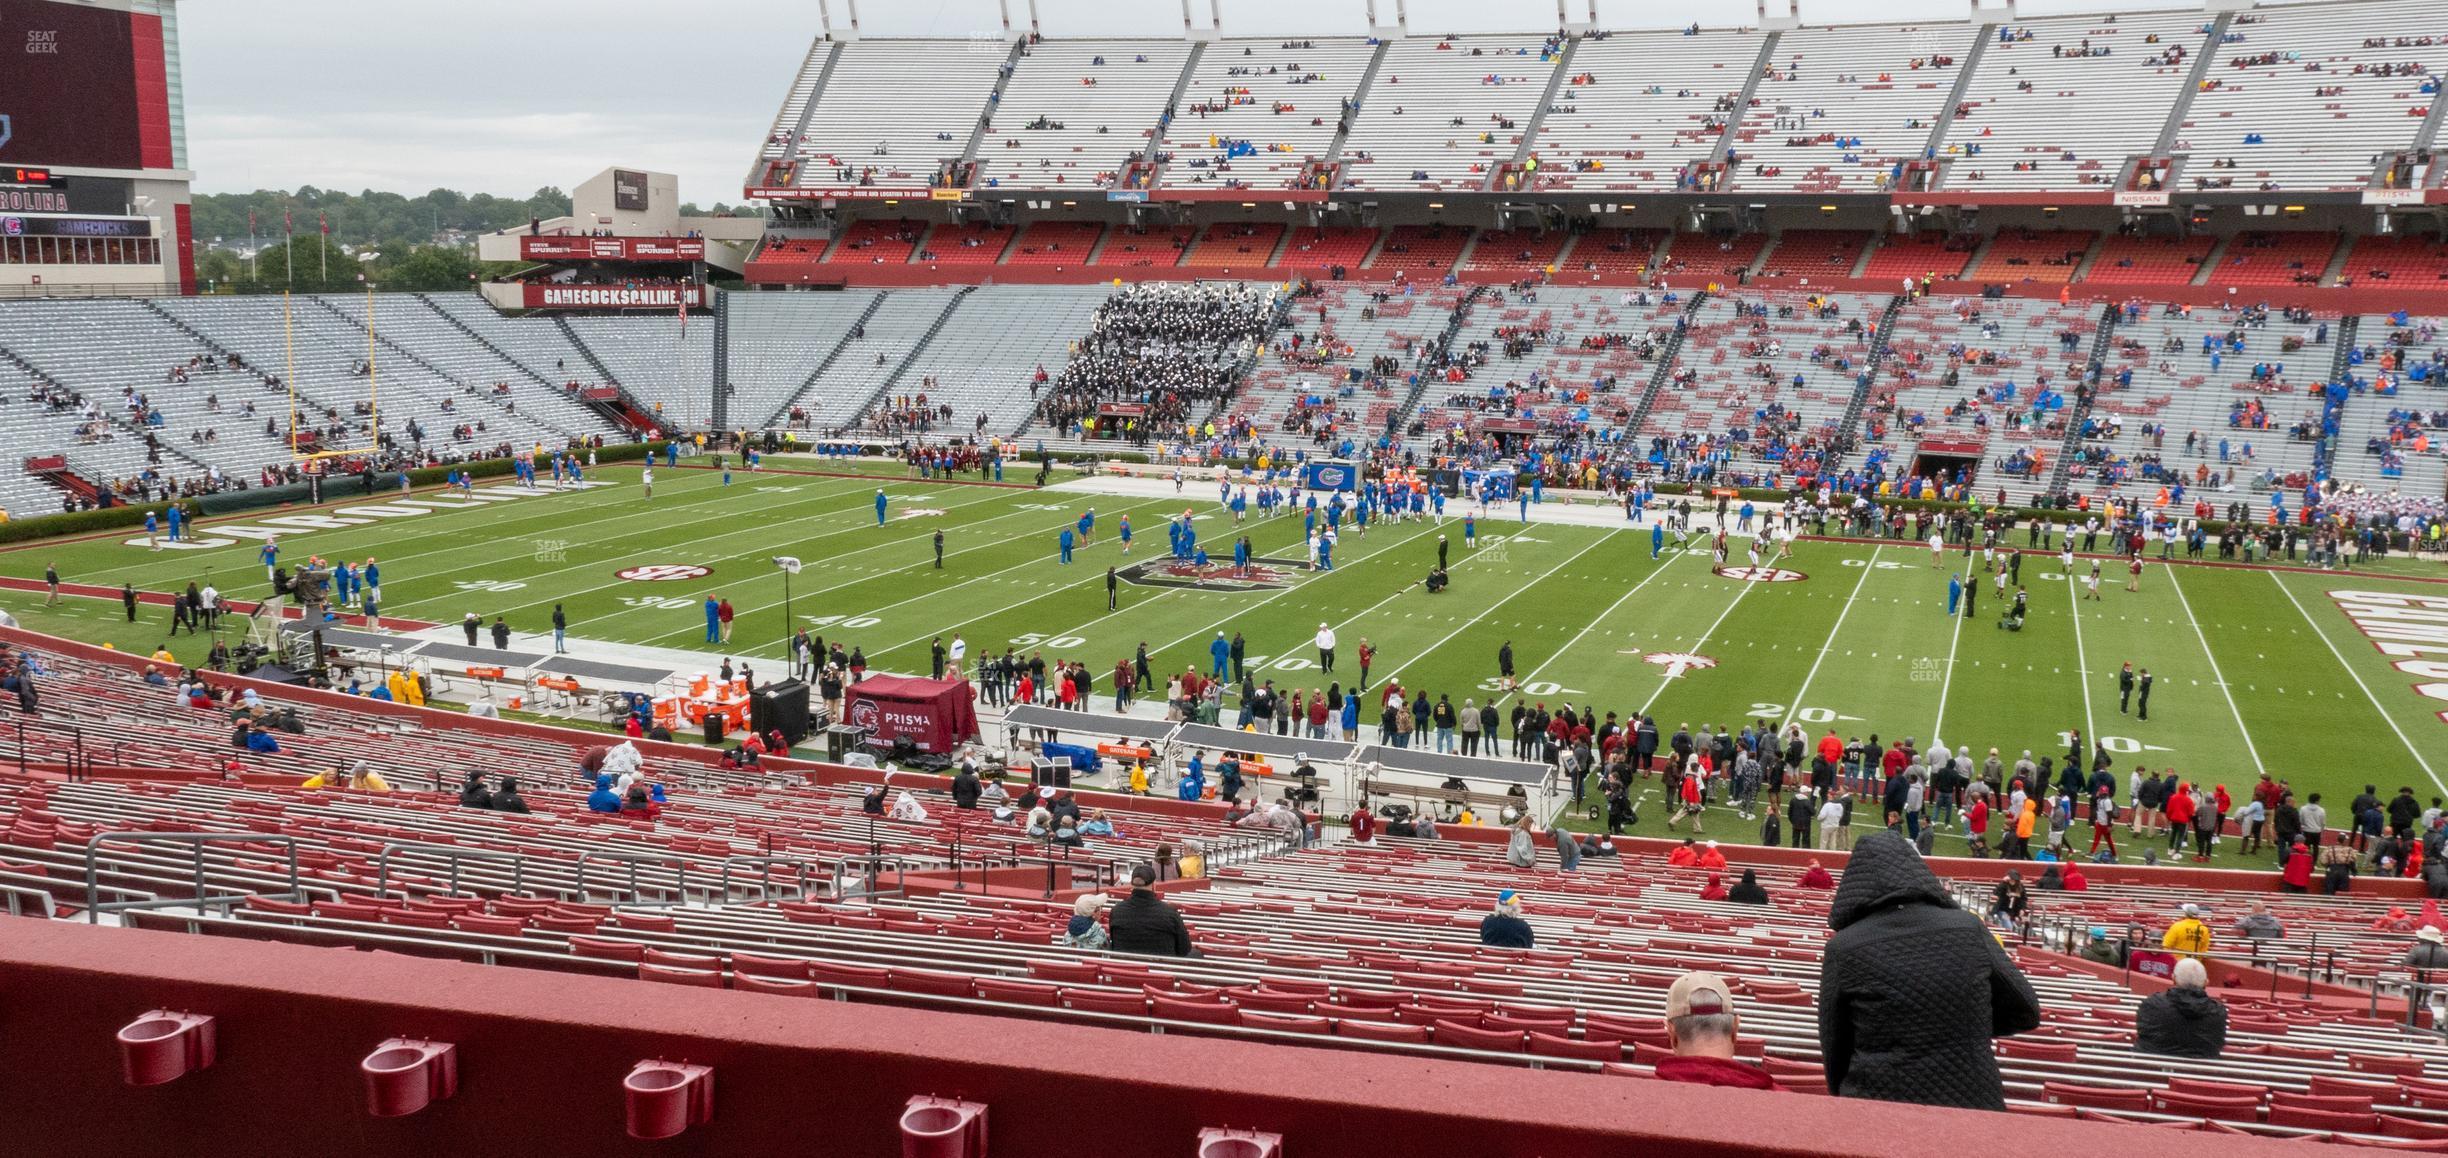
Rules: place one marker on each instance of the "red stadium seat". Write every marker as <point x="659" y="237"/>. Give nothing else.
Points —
<point x="1207" y="1012"/>
<point x="1284" y="1023"/>
<point x="1012" y="992"/>
<point x="754" y="983"/>
<point x="1552" y="1045"/>
<point x="857" y="976"/>
<point x="2358" y="1123"/>
<point x="607" y="950"/>
<point x="2096" y="1097"/>
<point x="1462" y="1035"/>
<point x="933" y="982"/>
<point x="1105" y="1001"/>
<point x="1381" y="1031"/>
<point x="784" y="968"/>
<point x="697" y="977"/>
<point x="1066" y="972"/>
<point x="2231" y="1108"/>
<point x="668" y="960"/>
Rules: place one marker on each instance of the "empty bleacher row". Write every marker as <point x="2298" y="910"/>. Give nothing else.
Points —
<point x="1360" y="947"/>
<point x="2293" y="98"/>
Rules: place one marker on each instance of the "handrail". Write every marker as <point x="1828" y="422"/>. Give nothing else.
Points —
<point x="799" y="882"/>
<point x="633" y="860"/>
<point x="80" y="765"/>
<point x="19" y="898"/>
<point x="452" y="853"/>
<point x="875" y="865"/>
<point x="95" y="906"/>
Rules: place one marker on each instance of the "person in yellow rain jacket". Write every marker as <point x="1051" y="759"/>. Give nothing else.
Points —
<point x="2188" y="936"/>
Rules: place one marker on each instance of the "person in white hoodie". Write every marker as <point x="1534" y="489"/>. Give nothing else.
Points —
<point x="1325" y="647"/>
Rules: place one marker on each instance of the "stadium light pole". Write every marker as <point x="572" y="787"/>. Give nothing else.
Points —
<point x="789" y="566"/>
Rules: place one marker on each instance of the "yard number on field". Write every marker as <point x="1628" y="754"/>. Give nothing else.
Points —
<point x="2126" y="745"/>
<point x="1805" y="715"/>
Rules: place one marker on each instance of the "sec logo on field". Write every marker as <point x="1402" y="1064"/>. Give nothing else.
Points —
<point x="1762" y="574"/>
<point x="663" y="572"/>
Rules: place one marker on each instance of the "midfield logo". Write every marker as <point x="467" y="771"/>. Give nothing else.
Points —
<point x="1260" y="575"/>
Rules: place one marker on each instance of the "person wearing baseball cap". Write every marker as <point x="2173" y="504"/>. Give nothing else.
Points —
<point x="1700" y="1025"/>
<point x="1504" y="928"/>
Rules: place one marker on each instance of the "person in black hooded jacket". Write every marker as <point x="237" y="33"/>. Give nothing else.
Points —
<point x="1747" y="891"/>
<point x="1912" y="988"/>
<point x="965" y="788"/>
<point x="508" y="799"/>
<point x="2182" y="1020"/>
<point x="473" y="794"/>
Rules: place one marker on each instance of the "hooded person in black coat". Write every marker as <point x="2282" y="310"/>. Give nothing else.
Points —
<point x="1912" y="988"/>
<point x="965" y="788"/>
<point x="508" y="799"/>
<point x="474" y="794"/>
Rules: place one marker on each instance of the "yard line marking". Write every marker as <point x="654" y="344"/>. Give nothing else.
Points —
<point x="1535" y="672"/>
<point x="1394" y="673"/>
<point x="817" y="517"/>
<point x="1203" y="596"/>
<point x="2358" y="679"/>
<point x="1107" y="618"/>
<point x="859" y="516"/>
<point x="1201" y="633"/>
<point x="1947" y="683"/>
<point x="922" y="564"/>
<point x="1800" y="697"/>
<point x="455" y="529"/>
<point x="2082" y="662"/>
<point x="1668" y="680"/>
<point x="2215" y="675"/>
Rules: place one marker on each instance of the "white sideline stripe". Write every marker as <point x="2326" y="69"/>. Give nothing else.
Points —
<point x="671" y="551"/>
<point x="923" y="564"/>
<point x="1668" y="680"/>
<point x="2082" y="661"/>
<point x="2357" y="677"/>
<point x="2215" y="674"/>
<point x="1803" y="696"/>
<point x="1395" y="673"/>
<point x="1947" y="684"/>
<point x="1541" y="669"/>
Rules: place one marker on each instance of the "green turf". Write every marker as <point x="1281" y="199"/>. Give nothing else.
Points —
<point x="2257" y="669"/>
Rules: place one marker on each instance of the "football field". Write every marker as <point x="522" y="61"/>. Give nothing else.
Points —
<point x="2254" y="669"/>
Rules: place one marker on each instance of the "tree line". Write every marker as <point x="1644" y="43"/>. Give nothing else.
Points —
<point x="425" y="242"/>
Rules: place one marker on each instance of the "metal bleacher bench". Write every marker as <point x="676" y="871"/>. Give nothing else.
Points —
<point x="1381" y="787"/>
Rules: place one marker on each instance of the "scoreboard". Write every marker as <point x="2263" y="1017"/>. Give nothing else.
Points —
<point x="81" y="87"/>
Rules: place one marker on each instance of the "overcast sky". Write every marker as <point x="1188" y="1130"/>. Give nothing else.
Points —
<point x="493" y="96"/>
<point x="506" y="96"/>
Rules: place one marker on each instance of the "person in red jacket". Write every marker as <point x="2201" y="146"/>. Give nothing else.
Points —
<point x="1831" y="749"/>
<point x="1816" y="877"/>
<point x="2297" y="876"/>
<point x="2179" y="815"/>
<point x="1701" y="1027"/>
<point x="1363" y="826"/>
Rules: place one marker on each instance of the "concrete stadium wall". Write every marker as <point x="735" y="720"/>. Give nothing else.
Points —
<point x="542" y="1056"/>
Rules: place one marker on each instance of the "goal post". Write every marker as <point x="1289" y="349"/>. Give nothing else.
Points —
<point x="305" y="446"/>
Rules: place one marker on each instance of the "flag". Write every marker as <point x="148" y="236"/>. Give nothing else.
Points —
<point x="325" y="222"/>
<point x="683" y="295"/>
<point x="288" y="222"/>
